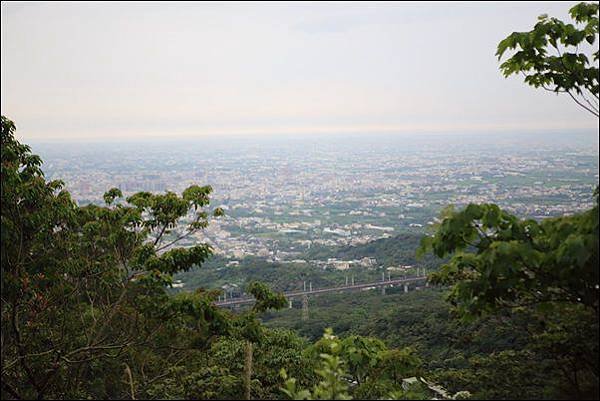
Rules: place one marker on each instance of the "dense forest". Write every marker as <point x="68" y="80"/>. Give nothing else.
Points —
<point x="88" y="311"/>
<point x="491" y="358"/>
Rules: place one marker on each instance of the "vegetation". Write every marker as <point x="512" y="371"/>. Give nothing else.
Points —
<point x="398" y="250"/>
<point x="365" y="363"/>
<point x="553" y="55"/>
<point x="393" y="251"/>
<point x="86" y="311"/>
<point x="547" y="270"/>
<point x="476" y="356"/>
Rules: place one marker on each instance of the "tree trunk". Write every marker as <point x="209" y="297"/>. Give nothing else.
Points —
<point x="247" y="369"/>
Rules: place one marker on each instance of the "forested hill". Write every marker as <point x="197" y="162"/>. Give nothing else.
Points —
<point x="398" y="250"/>
<point x="285" y="276"/>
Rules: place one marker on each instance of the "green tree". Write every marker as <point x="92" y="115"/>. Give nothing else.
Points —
<point x="252" y="329"/>
<point x="272" y="351"/>
<point x="83" y="288"/>
<point x="499" y="260"/>
<point x="548" y="269"/>
<point x="556" y="56"/>
<point x="334" y="379"/>
<point x="360" y="368"/>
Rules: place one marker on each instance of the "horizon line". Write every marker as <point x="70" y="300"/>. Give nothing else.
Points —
<point x="120" y="136"/>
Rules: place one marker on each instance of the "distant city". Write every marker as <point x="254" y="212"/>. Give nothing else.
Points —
<point x="282" y="196"/>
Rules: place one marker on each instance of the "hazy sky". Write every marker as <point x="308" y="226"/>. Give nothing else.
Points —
<point x="115" y="70"/>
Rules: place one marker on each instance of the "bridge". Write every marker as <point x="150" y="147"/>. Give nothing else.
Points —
<point x="303" y="294"/>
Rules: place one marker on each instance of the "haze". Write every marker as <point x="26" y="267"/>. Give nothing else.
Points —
<point x="130" y="71"/>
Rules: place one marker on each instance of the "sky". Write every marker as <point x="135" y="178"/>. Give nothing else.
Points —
<point x="98" y="71"/>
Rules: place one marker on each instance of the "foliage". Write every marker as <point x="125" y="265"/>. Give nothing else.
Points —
<point x="501" y="261"/>
<point x="361" y="354"/>
<point x="83" y="296"/>
<point x="86" y="312"/>
<point x="357" y="367"/>
<point x="552" y="55"/>
<point x="449" y="351"/>
<point x="265" y="298"/>
<point x="546" y="270"/>
<point x="394" y="251"/>
<point x="333" y="384"/>
<point x="212" y="383"/>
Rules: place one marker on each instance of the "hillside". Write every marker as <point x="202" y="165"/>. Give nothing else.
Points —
<point x="393" y="251"/>
<point x="399" y="250"/>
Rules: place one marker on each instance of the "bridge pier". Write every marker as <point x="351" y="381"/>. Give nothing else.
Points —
<point x="304" y="308"/>
<point x="225" y="301"/>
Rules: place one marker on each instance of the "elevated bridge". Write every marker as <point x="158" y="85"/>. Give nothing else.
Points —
<point x="303" y="294"/>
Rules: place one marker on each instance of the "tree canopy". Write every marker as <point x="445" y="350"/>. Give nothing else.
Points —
<point x="84" y="288"/>
<point x="548" y="270"/>
<point x="556" y="55"/>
